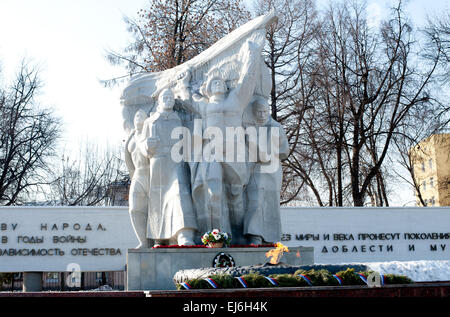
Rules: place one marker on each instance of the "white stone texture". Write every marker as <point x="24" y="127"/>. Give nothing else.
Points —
<point x="411" y="233"/>
<point x="24" y="222"/>
<point x="217" y="88"/>
<point x="154" y="269"/>
<point x="169" y="203"/>
<point x="74" y="231"/>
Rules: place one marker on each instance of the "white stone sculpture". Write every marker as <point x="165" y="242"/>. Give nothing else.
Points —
<point x="262" y="223"/>
<point x="217" y="180"/>
<point x="160" y="200"/>
<point x="139" y="168"/>
<point x="212" y="93"/>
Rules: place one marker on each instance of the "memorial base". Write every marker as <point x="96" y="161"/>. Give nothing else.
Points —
<point x="153" y="269"/>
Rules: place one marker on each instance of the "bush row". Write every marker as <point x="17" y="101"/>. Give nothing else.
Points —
<point x="315" y="278"/>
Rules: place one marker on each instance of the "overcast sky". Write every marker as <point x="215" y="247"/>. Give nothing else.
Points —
<point x="68" y="39"/>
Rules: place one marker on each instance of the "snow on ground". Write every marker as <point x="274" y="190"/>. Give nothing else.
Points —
<point x="418" y="271"/>
<point x="103" y="288"/>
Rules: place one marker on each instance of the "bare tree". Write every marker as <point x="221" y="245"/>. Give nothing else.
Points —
<point x="424" y="122"/>
<point x="288" y="53"/>
<point x="362" y="86"/>
<point x="380" y="86"/>
<point x="89" y="178"/>
<point x="169" y="33"/>
<point x="288" y="48"/>
<point x="409" y="154"/>
<point x="438" y="33"/>
<point x="404" y="145"/>
<point x="28" y="136"/>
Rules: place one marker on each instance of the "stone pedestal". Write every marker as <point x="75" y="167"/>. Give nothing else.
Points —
<point x="153" y="269"/>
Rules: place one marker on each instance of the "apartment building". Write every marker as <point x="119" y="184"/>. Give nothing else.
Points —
<point x="431" y="161"/>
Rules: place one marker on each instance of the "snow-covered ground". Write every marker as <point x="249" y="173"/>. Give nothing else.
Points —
<point x="418" y="271"/>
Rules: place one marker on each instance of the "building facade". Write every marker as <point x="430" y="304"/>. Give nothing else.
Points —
<point x="431" y="162"/>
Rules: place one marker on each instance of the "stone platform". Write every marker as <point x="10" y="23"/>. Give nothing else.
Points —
<point x="154" y="269"/>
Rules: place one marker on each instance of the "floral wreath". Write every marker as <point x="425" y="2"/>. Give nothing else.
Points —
<point x="223" y="260"/>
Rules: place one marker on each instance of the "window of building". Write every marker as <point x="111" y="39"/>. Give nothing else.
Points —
<point x="52" y="277"/>
<point x="430" y="163"/>
<point x="100" y="275"/>
<point x="426" y="202"/>
<point x="423" y="166"/>
<point x="431" y="181"/>
<point x="424" y="185"/>
<point x="432" y="201"/>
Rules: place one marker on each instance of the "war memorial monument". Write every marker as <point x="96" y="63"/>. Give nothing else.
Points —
<point x="204" y="156"/>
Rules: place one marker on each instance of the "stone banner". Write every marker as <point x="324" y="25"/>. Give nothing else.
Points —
<point x="345" y="235"/>
<point x="58" y="239"/>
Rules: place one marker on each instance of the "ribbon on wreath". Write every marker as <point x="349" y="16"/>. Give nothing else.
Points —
<point x="362" y="277"/>
<point x="338" y="278"/>
<point x="186" y="285"/>
<point x="211" y="282"/>
<point x="271" y="280"/>
<point x="307" y="280"/>
<point x="242" y="281"/>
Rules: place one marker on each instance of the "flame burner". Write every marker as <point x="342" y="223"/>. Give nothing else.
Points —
<point x="276" y="254"/>
<point x="279" y="264"/>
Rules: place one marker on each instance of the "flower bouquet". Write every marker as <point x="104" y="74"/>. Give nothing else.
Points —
<point x="216" y="238"/>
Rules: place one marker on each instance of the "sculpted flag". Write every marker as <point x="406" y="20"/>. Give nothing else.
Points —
<point x="210" y="94"/>
<point x="138" y="93"/>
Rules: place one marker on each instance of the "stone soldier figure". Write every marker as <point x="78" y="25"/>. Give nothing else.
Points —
<point x="170" y="212"/>
<point x="262" y="223"/>
<point x="138" y="167"/>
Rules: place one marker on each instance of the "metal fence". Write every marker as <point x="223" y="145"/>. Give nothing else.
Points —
<point x="65" y="281"/>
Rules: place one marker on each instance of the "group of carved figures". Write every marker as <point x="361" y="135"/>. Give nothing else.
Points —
<point x="175" y="202"/>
